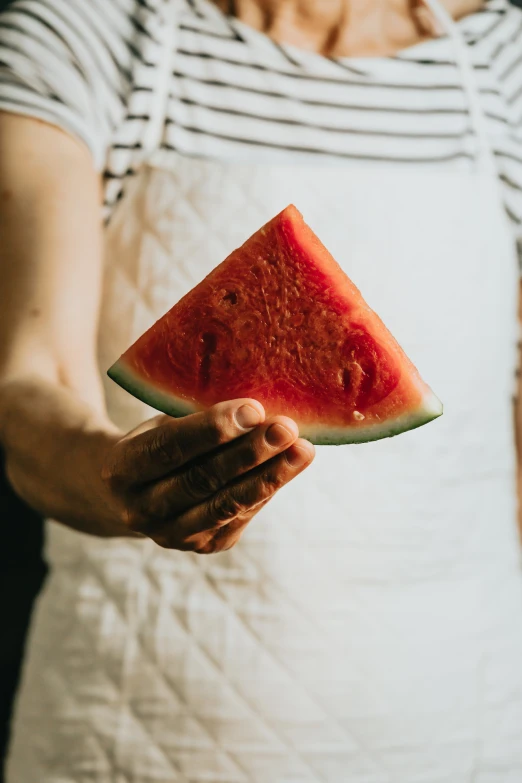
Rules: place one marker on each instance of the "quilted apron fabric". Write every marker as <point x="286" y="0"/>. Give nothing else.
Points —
<point x="368" y="627"/>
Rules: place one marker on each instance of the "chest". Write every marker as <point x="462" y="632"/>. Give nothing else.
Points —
<point x="213" y="88"/>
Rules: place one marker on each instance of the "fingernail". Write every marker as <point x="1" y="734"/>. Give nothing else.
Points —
<point x="277" y="435"/>
<point x="247" y="417"/>
<point x="297" y="456"/>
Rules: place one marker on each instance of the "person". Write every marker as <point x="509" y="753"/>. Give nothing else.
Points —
<point x="358" y="616"/>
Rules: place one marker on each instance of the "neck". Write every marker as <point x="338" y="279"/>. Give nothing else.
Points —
<point x="346" y="28"/>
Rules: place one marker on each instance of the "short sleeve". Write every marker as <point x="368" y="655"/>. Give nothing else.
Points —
<point x="69" y="62"/>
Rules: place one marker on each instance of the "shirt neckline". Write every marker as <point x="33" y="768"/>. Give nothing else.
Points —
<point x="305" y="58"/>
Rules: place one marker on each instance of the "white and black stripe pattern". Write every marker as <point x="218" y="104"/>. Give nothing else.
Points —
<point x="237" y="95"/>
<point x="72" y="63"/>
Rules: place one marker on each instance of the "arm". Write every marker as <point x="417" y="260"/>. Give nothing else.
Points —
<point x="51" y="402"/>
<point x="169" y="479"/>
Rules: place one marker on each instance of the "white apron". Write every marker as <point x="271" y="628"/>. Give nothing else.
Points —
<point x="368" y="627"/>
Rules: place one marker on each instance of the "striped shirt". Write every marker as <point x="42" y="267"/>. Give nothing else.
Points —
<point x="234" y="94"/>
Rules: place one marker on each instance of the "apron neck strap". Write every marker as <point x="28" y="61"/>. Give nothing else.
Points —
<point x="485" y="154"/>
<point x="153" y="136"/>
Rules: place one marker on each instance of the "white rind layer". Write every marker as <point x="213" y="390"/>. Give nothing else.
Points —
<point x="320" y="435"/>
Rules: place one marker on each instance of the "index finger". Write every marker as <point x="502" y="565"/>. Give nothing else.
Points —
<point x="163" y="449"/>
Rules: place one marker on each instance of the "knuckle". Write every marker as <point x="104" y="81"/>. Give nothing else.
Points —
<point x="226" y="506"/>
<point x="210" y="548"/>
<point x="157" y="507"/>
<point x="270" y="482"/>
<point x="199" y="482"/>
<point x="250" y="454"/>
<point x="224" y="543"/>
<point x="154" y="511"/>
<point x="225" y="540"/>
<point x="216" y="428"/>
<point x="111" y="477"/>
<point x="164" y="448"/>
<point x="134" y="519"/>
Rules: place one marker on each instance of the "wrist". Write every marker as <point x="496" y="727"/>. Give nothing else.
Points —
<point x="91" y="447"/>
<point x="55" y="446"/>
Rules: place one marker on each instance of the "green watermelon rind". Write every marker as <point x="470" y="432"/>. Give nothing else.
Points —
<point x="321" y="435"/>
<point x="150" y="395"/>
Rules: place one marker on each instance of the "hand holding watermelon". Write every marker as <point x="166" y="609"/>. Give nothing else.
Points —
<point x="195" y="483"/>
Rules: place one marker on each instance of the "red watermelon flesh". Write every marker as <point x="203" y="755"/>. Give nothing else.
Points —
<point x="281" y="322"/>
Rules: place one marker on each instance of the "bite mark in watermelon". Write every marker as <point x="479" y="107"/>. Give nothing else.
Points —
<point x="279" y="321"/>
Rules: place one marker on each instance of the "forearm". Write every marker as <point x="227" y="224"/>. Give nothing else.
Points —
<point x="54" y="445"/>
<point x="53" y="426"/>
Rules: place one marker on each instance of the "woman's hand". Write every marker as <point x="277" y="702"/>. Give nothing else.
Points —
<point x="195" y="483"/>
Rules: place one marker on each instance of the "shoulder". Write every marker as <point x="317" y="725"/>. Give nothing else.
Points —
<point x="73" y="26"/>
<point x="71" y="62"/>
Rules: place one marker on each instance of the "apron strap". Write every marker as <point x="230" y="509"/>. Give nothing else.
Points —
<point x="155" y="129"/>
<point x="153" y="135"/>
<point x="485" y="153"/>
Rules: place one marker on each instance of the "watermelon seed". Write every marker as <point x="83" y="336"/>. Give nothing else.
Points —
<point x="358" y="416"/>
<point x="230" y="297"/>
<point x="346" y="379"/>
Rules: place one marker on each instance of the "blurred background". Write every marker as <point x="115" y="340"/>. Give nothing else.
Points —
<point x="22" y="573"/>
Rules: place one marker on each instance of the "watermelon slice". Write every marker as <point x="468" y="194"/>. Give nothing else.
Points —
<point x="281" y="322"/>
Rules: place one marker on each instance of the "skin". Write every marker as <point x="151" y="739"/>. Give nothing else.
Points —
<point x="345" y="28"/>
<point x="191" y="484"/>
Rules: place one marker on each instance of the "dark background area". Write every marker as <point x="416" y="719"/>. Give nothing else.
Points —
<point x="22" y="573"/>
